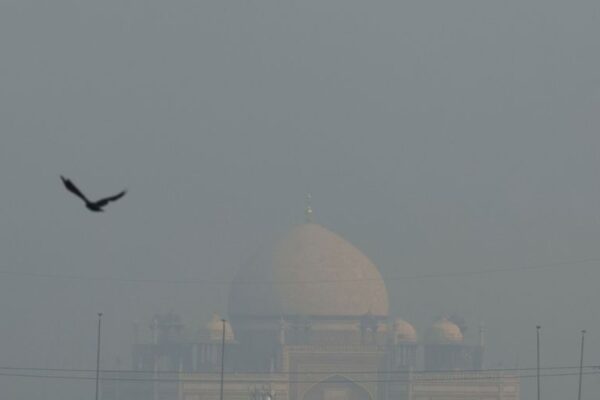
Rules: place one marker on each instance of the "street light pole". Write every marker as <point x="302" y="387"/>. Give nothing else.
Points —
<point x="222" y="357"/>
<point x="155" y="354"/>
<point x="538" y="361"/>
<point x="98" y="354"/>
<point x="581" y="365"/>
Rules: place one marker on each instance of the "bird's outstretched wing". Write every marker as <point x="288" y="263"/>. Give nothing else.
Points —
<point x="103" y="202"/>
<point x="73" y="189"/>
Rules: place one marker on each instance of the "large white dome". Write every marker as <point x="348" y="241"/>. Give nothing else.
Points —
<point x="310" y="272"/>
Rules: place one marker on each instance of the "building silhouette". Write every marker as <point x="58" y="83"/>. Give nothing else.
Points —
<point x="308" y="320"/>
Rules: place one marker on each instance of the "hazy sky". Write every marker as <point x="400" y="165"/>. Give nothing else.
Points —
<point x="438" y="137"/>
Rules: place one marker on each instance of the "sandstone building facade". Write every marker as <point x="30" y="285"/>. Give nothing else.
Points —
<point x="309" y="320"/>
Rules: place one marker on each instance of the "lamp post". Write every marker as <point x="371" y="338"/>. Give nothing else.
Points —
<point x="155" y="355"/>
<point x="581" y="365"/>
<point x="98" y="354"/>
<point x="538" y="360"/>
<point x="222" y="357"/>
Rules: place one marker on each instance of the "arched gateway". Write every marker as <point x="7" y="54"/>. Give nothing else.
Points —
<point x="337" y="388"/>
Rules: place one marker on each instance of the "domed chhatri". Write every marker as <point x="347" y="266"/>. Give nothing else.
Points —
<point x="444" y="331"/>
<point x="310" y="272"/>
<point x="404" y="332"/>
<point x="214" y="328"/>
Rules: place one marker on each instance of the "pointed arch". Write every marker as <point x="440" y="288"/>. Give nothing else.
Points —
<point x="337" y="387"/>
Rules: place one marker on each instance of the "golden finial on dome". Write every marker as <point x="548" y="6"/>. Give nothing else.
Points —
<point x="308" y="210"/>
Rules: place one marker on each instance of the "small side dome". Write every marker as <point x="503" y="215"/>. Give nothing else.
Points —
<point x="444" y="331"/>
<point x="214" y="329"/>
<point x="404" y="332"/>
<point x="382" y="327"/>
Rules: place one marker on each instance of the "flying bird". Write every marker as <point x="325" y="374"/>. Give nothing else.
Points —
<point x="95" y="206"/>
